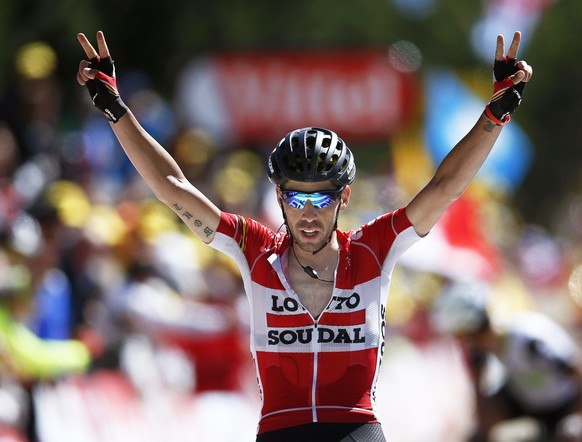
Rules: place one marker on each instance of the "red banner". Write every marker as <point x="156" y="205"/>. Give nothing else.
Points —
<point x="262" y="96"/>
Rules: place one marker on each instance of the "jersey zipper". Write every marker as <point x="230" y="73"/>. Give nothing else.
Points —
<point x="316" y="359"/>
<point x="314" y="384"/>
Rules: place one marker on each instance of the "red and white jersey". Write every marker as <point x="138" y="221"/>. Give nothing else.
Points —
<point x="324" y="369"/>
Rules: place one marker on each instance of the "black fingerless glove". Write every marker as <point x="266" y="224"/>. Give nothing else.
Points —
<point x="506" y="95"/>
<point x="103" y="89"/>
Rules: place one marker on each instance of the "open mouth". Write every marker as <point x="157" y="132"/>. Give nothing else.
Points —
<point x="309" y="233"/>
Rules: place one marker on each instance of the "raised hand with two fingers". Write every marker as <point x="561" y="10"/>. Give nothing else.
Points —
<point x="98" y="74"/>
<point x="510" y="78"/>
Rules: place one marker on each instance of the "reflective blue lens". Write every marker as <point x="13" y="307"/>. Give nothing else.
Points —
<point x="320" y="199"/>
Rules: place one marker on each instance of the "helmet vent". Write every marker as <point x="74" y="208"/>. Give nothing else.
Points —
<point x="297" y="164"/>
<point x="330" y="164"/>
<point x="321" y="163"/>
<point x="310" y="142"/>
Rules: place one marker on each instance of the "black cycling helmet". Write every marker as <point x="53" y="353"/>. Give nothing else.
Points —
<point x="312" y="154"/>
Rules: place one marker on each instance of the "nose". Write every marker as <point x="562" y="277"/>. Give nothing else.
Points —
<point x="309" y="212"/>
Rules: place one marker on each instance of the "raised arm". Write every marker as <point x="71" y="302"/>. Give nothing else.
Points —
<point x="152" y="161"/>
<point x="458" y="168"/>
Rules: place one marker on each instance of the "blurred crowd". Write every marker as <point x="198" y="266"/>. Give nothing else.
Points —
<point x="116" y="324"/>
<point x="96" y="276"/>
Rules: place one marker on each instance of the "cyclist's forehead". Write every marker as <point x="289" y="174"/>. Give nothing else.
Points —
<point x="308" y="187"/>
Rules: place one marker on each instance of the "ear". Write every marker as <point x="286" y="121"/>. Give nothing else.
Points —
<point x="345" y="198"/>
<point x="279" y="200"/>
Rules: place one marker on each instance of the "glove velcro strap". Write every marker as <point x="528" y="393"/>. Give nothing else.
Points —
<point x="115" y="110"/>
<point x="496" y="120"/>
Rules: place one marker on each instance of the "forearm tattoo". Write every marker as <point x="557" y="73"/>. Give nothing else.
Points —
<point x="189" y="218"/>
<point x="489" y="126"/>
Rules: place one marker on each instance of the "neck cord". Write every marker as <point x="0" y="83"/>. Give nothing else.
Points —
<point x="309" y="270"/>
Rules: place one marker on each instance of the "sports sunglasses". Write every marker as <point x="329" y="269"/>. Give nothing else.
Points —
<point x="319" y="199"/>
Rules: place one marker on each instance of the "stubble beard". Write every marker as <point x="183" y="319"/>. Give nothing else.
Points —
<point x="312" y="247"/>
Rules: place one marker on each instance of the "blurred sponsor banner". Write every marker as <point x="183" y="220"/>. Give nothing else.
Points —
<point x="250" y="97"/>
<point x="451" y="111"/>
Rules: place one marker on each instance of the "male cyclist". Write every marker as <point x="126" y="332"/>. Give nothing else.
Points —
<point x="317" y="295"/>
<point x="524" y="366"/>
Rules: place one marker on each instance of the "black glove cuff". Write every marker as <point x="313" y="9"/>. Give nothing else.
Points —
<point x="115" y="110"/>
